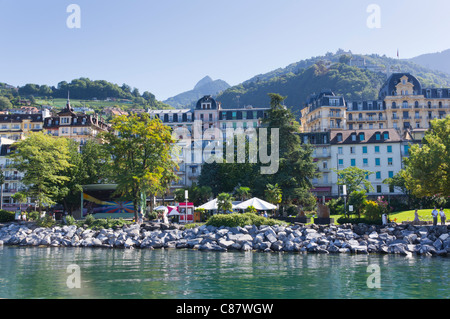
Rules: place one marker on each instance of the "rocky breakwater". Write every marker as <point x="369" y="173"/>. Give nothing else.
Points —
<point x="357" y="239"/>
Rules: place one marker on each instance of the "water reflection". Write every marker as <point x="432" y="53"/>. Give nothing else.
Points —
<point x="114" y="273"/>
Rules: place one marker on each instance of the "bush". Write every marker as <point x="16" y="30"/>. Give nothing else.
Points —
<point x="89" y="220"/>
<point x="250" y="209"/>
<point x="152" y="215"/>
<point x="70" y="220"/>
<point x="34" y="215"/>
<point x="46" y="222"/>
<point x="7" y="216"/>
<point x="336" y="206"/>
<point x="235" y="220"/>
<point x="372" y="210"/>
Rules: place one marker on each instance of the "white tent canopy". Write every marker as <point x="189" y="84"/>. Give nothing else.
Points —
<point x="163" y="208"/>
<point x="259" y="204"/>
<point x="212" y="205"/>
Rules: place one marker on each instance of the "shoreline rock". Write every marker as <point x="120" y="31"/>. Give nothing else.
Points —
<point x="405" y="240"/>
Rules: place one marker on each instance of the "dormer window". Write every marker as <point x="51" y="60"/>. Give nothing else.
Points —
<point x="339" y="137"/>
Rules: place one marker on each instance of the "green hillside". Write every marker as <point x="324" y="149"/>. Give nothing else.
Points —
<point x="332" y="71"/>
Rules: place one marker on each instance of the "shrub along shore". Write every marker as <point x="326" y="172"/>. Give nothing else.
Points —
<point x="263" y="236"/>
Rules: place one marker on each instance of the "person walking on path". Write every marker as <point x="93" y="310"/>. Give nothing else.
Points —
<point x="434" y="213"/>
<point x="442" y="214"/>
<point x="416" y="217"/>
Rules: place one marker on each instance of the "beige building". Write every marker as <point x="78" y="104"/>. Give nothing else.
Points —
<point x="402" y="105"/>
<point x="78" y="127"/>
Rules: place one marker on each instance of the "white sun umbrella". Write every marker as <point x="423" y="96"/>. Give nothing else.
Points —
<point x="163" y="208"/>
<point x="259" y="204"/>
<point x="212" y="205"/>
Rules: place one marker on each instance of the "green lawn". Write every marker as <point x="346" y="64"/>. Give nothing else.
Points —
<point x="408" y="215"/>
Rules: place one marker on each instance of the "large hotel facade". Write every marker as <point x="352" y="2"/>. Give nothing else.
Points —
<point x="210" y="115"/>
<point x="372" y="135"/>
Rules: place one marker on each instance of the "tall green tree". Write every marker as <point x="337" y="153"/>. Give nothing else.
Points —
<point x="427" y="171"/>
<point x="141" y="151"/>
<point x="43" y="160"/>
<point x="354" y="178"/>
<point x="296" y="165"/>
<point x="89" y="165"/>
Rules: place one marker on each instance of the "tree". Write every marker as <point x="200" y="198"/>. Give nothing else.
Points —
<point x="43" y="160"/>
<point x="20" y="198"/>
<point x="242" y="192"/>
<point x="358" y="201"/>
<point x="427" y="171"/>
<point x="296" y="165"/>
<point x="224" y="202"/>
<point x="354" y="178"/>
<point x="273" y="194"/>
<point x="88" y="166"/>
<point x="5" y="103"/>
<point x="141" y="149"/>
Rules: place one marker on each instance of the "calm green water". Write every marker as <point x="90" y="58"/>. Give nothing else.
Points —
<point x="187" y="274"/>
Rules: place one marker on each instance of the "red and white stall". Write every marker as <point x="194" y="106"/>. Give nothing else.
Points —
<point x="186" y="211"/>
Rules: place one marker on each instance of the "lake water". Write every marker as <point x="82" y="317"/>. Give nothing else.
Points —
<point x="188" y="274"/>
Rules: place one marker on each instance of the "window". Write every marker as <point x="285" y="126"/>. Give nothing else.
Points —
<point x="64" y="120"/>
<point x="389" y="148"/>
<point x="377" y="162"/>
<point x="341" y="162"/>
<point x="339" y="137"/>
<point x="391" y="188"/>
<point x="378" y="175"/>
<point x="364" y="149"/>
<point x="365" y="162"/>
<point x="391" y="174"/>
<point x="379" y="189"/>
<point x="377" y="149"/>
<point x="324" y="164"/>
<point x="361" y="136"/>
<point x="377" y="136"/>
<point x="340" y="150"/>
<point x="353" y="162"/>
<point x="352" y="150"/>
<point x="353" y="137"/>
<point x="390" y="161"/>
<point x="386" y="135"/>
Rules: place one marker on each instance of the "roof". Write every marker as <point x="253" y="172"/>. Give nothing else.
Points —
<point x="18" y="118"/>
<point x="389" y="87"/>
<point x="206" y="99"/>
<point x="369" y="136"/>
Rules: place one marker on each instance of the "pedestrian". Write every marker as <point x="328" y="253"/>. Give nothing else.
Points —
<point x="434" y="213"/>
<point x="442" y="214"/>
<point x="416" y="217"/>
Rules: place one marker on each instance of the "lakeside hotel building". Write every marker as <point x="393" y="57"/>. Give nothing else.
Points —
<point x="212" y="115"/>
<point x="372" y="135"/>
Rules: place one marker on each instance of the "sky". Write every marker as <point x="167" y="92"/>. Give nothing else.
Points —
<point x="167" y="46"/>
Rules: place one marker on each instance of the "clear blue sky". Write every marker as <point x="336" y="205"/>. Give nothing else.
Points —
<point x="165" y="47"/>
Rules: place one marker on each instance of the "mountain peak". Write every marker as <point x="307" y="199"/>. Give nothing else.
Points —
<point x="206" y="80"/>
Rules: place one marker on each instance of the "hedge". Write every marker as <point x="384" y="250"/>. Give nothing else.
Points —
<point x="346" y="220"/>
<point x="7" y="216"/>
<point x="236" y="219"/>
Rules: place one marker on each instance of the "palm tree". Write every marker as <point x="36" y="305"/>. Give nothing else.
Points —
<point x="273" y="194"/>
<point x="224" y="202"/>
<point x="242" y="192"/>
